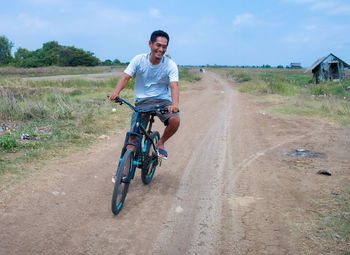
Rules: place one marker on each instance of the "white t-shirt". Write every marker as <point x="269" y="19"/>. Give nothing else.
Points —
<point x="152" y="81"/>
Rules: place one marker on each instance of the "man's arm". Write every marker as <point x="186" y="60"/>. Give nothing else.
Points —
<point x="174" y="89"/>
<point x="120" y="86"/>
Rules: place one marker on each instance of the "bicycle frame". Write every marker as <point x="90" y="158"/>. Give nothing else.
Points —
<point x="139" y="131"/>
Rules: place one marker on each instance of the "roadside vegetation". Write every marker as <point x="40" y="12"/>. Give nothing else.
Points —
<point x="44" y="119"/>
<point x="327" y="228"/>
<point x="188" y="75"/>
<point x="17" y="72"/>
<point x="292" y="92"/>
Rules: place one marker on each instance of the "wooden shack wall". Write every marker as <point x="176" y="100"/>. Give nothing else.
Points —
<point x="323" y="73"/>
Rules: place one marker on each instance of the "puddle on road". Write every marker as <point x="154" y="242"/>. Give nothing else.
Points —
<point x="301" y="153"/>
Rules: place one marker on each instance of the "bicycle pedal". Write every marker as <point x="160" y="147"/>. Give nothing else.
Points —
<point x="125" y="179"/>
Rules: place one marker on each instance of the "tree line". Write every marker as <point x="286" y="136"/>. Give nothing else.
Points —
<point x="51" y="54"/>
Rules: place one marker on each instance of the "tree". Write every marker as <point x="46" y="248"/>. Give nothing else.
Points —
<point x="50" y="53"/>
<point x="82" y="58"/>
<point x="5" y="50"/>
<point x="65" y="56"/>
<point x="20" y="55"/>
<point x="26" y="58"/>
<point x="117" y="62"/>
<point x="54" y="54"/>
<point x="107" y="62"/>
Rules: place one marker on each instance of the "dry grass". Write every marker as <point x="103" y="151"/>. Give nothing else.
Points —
<point x="52" y="70"/>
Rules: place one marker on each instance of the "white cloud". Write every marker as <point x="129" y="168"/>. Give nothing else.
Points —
<point x="185" y="41"/>
<point x="155" y="13"/>
<point x="336" y="7"/>
<point x="322" y="5"/>
<point x="300" y="1"/>
<point x="340" y="10"/>
<point x="297" y="38"/>
<point x="310" y="27"/>
<point x="331" y="7"/>
<point x="99" y="14"/>
<point x="33" y="23"/>
<point x="245" y="19"/>
<point x="46" y="2"/>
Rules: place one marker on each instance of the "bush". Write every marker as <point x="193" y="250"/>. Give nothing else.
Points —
<point x="188" y="74"/>
<point x="242" y="77"/>
<point x="239" y="77"/>
<point x="75" y="92"/>
<point x="277" y="87"/>
<point x="44" y="107"/>
<point x="328" y="88"/>
<point x="7" y="142"/>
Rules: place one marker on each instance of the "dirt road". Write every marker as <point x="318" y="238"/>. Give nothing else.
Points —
<point x="227" y="187"/>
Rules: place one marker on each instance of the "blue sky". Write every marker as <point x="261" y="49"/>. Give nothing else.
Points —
<point x="249" y="32"/>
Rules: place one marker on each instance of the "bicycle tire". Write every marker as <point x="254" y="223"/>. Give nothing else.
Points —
<point x="121" y="186"/>
<point x="150" y="160"/>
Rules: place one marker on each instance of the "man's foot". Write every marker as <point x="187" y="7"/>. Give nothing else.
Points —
<point x="125" y="173"/>
<point x="162" y="153"/>
<point x="124" y="178"/>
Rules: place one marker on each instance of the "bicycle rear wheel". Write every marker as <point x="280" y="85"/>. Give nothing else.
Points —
<point x="121" y="184"/>
<point x="150" y="160"/>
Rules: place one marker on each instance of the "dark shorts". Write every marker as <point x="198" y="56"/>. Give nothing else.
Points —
<point x="150" y="104"/>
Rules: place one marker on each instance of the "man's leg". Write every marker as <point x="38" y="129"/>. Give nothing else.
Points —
<point x="169" y="131"/>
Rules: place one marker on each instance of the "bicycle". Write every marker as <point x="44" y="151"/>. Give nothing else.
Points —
<point x="145" y="157"/>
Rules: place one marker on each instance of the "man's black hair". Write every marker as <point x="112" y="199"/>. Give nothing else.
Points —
<point x="158" y="33"/>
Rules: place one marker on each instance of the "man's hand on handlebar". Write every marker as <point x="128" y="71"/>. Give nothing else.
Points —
<point x="113" y="96"/>
<point x="173" y="109"/>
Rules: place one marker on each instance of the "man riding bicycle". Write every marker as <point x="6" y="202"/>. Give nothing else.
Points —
<point x="156" y="85"/>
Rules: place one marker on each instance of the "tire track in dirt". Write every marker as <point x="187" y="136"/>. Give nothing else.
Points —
<point x="193" y="223"/>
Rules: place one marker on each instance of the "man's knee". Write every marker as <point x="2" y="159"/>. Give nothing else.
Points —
<point x="132" y="140"/>
<point x="174" y="122"/>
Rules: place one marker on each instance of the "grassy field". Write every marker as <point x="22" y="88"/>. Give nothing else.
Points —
<point x="54" y="70"/>
<point x="44" y="119"/>
<point x="292" y="92"/>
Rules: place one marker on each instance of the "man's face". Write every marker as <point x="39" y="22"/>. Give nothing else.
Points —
<point x="159" y="47"/>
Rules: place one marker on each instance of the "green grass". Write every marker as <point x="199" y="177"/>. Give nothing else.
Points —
<point x="57" y="115"/>
<point x="327" y="228"/>
<point x="187" y="74"/>
<point x="330" y="109"/>
<point x="8" y="142"/>
<point x="239" y="76"/>
<point x="296" y="93"/>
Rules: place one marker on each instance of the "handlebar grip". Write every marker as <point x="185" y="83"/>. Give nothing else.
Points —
<point x="117" y="100"/>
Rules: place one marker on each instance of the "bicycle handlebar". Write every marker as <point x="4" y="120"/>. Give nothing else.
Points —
<point x="122" y="101"/>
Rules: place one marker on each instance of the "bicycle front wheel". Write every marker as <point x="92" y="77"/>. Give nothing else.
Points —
<point x="122" y="181"/>
<point x="150" y="160"/>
